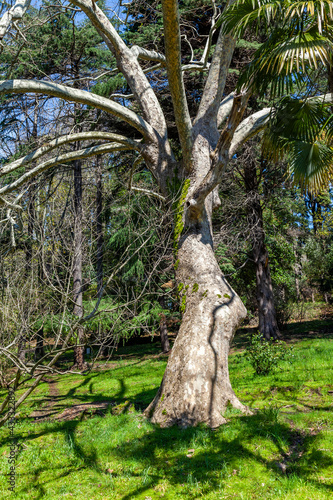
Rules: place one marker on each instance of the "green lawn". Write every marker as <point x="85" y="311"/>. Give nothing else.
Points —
<point x="284" y="451"/>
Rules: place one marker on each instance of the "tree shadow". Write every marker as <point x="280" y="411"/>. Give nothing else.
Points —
<point x="205" y="467"/>
<point x="300" y="330"/>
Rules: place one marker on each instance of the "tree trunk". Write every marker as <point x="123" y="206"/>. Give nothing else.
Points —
<point x="196" y="386"/>
<point x="165" y="344"/>
<point x="31" y="201"/>
<point x="31" y="226"/>
<point x="99" y="226"/>
<point x="77" y="264"/>
<point x="268" y="326"/>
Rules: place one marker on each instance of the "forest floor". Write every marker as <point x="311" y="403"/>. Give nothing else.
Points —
<point x="84" y="436"/>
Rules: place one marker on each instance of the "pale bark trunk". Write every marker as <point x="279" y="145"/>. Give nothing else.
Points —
<point x="196" y="386"/>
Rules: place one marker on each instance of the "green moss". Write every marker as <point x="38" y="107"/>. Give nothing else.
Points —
<point x="162" y="397"/>
<point x="180" y="287"/>
<point x="227" y="296"/>
<point x="176" y="264"/>
<point x="183" y="304"/>
<point x="179" y="210"/>
<point x="187" y="287"/>
<point x="164" y="412"/>
<point x="219" y="296"/>
<point x="195" y="287"/>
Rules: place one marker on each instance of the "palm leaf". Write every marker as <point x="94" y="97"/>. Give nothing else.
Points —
<point x="244" y="13"/>
<point x="311" y="165"/>
<point x="302" y="131"/>
<point x="299" y="39"/>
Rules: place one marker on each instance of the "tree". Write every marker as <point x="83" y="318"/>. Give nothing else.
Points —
<point x="196" y="386"/>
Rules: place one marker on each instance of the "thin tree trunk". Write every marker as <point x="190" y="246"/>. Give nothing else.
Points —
<point x="196" y="385"/>
<point x="165" y="344"/>
<point x="31" y="201"/>
<point x="99" y="226"/>
<point x="77" y="264"/>
<point x="268" y="326"/>
<point x="31" y="225"/>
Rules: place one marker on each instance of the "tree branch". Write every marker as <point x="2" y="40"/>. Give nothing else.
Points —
<point x="65" y="139"/>
<point x="215" y="84"/>
<point x="14" y="14"/>
<point x="148" y="55"/>
<point x="174" y="70"/>
<point x="249" y="127"/>
<point x="220" y="158"/>
<point x="76" y="95"/>
<point x="128" y="64"/>
<point x="225" y="109"/>
<point x="67" y="157"/>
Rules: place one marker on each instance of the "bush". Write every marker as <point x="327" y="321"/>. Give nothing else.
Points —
<point x="264" y="355"/>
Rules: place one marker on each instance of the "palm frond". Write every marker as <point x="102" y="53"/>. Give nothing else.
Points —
<point x="302" y="131"/>
<point x="311" y="165"/>
<point x="300" y="38"/>
<point x="244" y="13"/>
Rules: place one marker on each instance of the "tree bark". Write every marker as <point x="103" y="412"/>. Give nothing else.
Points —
<point x="99" y="226"/>
<point x="268" y="326"/>
<point x="196" y="386"/>
<point x="77" y="263"/>
<point x="165" y="344"/>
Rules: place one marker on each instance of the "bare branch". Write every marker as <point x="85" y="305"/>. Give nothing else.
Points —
<point x="148" y="192"/>
<point x="128" y="64"/>
<point x="67" y="157"/>
<point x="225" y="109"/>
<point x="66" y="139"/>
<point x="249" y="127"/>
<point x="215" y="84"/>
<point x="148" y="55"/>
<point x="76" y="95"/>
<point x="255" y="123"/>
<point x="205" y="55"/>
<point x="220" y="157"/>
<point x="14" y="14"/>
<point x="175" y="77"/>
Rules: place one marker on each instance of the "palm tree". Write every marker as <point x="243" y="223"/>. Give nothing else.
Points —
<point x="298" y="43"/>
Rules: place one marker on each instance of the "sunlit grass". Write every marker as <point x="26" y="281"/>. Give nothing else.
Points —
<point x="284" y="451"/>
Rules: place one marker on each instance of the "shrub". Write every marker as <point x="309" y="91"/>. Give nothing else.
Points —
<point x="264" y="355"/>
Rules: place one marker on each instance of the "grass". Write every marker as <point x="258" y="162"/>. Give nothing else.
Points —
<point x="283" y="451"/>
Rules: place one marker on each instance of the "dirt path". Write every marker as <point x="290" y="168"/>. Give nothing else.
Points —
<point x="50" y="410"/>
<point x="47" y="409"/>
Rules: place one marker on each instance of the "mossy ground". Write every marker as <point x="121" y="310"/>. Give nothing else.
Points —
<point x="283" y="451"/>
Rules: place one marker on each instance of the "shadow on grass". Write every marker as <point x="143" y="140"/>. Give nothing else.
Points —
<point x="59" y="403"/>
<point x="214" y="467"/>
<point x="89" y="459"/>
<point x="314" y="329"/>
<point x="227" y="450"/>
